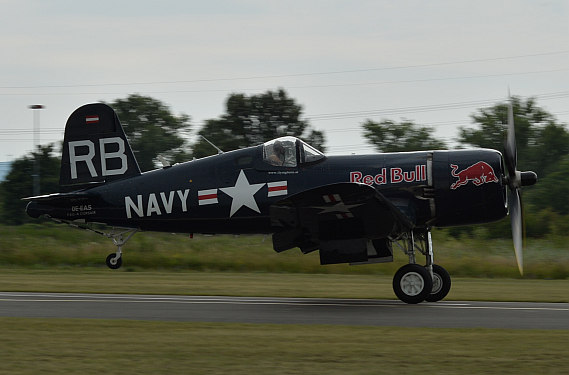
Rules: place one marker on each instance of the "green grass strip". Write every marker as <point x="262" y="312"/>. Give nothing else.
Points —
<point x="78" y="346"/>
<point x="94" y="280"/>
<point x="57" y="246"/>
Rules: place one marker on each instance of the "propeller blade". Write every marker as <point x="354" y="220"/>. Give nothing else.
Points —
<point x="511" y="153"/>
<point x="517" y="227"/>
<point x="515" y="180"/>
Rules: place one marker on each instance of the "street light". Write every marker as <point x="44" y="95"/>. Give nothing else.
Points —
<point x="36" y="175"/>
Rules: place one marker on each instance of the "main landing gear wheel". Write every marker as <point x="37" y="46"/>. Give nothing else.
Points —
<point x="412" y="283"/>
<point x="114" y="262"/>
<point x="441" y="284"/>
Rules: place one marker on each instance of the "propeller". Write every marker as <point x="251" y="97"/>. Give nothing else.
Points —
<point x="515" y="181"/>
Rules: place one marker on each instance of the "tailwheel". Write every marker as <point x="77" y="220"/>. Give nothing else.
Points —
<point x="412" y="283"/>
<point x="119" y="236"/>
<point x="114" y="261"/>
<point x="441" y="284"/>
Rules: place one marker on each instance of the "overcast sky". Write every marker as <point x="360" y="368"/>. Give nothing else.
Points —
<point x="433" y="62"/>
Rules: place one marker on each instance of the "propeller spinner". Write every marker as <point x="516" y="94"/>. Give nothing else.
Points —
<point x="516" y="180"/>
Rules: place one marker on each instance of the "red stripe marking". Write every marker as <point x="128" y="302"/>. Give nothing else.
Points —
<point x="207" y="196"/>
<point x="278" y="188"/>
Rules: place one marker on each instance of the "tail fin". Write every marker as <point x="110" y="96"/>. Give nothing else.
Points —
<point x="95" y="148"/>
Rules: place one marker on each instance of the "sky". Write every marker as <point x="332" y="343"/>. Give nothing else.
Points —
<point x="432" y="62"/>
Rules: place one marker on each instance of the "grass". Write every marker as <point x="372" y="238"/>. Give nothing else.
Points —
<point x="51" y="258"/>
<point x="55" y="258"/>
<point x="73" y="346"/>
<point x="80" y="280"/>
<point x="50" y="245"/>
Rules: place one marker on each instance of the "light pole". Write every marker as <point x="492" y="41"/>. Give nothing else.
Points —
<point x="36" y="176"/>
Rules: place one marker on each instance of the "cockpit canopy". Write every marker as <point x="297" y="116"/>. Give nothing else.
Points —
<point x="289" y="152"/>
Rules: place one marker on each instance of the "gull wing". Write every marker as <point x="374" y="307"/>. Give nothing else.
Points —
<point x="341" y="217"/>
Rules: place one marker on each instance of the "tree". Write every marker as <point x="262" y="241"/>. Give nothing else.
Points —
<point x="543" y="146"/>
<point x="551" y="144"/>
<point x="389" y="136"/>
<point x="316" y="139"/>
<point x="152" y="129"/>
<point x="552" y="191"/>
<point x="252" y="120"/>
<point x="19" y="183"/>
<point x="541" y="142"/>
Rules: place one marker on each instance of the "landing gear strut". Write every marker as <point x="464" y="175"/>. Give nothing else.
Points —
<point x="114" y="260"/>
<point x="413" y="283"/>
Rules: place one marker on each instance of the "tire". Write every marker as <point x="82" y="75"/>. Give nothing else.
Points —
<point x="412" y="283"/>
<point x="441" y="284"/>
<point x="113" y="265"/>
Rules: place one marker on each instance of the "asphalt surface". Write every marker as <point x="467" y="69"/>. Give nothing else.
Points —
<point x="452" y="314"/>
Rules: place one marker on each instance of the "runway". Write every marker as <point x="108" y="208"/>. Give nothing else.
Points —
<point x="368" y="312"/>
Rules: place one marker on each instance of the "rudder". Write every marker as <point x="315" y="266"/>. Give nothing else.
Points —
<point x="95" y="148"/>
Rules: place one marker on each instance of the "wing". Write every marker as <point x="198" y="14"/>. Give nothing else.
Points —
<point x="347" y="222"/>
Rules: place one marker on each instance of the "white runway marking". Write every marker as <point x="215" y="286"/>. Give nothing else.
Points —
<point x="355" y="312"/>
<point x="27" y="297"/>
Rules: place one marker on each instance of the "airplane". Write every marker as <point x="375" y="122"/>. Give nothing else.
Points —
<point x="353" y="209"/>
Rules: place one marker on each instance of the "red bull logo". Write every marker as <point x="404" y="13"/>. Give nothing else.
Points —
<point x="479" y="173"/>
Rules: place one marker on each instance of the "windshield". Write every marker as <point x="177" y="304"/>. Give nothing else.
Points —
<point x="310" y="153"/>
<point x="289" y="152"/>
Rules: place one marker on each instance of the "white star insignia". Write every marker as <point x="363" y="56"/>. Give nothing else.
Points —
<point x="243" y="194"/>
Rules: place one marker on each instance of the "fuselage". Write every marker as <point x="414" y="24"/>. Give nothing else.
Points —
<point x="232" y="192"/>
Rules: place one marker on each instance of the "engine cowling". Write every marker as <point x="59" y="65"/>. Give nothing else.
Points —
<point x="469" y="187"/>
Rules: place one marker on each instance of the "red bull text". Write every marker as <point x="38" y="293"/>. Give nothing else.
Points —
<point x="395" y="176"/>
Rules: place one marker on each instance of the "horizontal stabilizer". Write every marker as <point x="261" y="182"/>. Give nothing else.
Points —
<point x="48" y="204"/>
<point x="57" y="197"/>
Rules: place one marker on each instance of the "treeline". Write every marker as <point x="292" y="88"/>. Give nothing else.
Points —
<point x="153" y="130"/>
<point x="543" y="146"/>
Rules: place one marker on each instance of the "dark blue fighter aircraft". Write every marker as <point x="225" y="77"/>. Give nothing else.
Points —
<point x="353" y="209"/>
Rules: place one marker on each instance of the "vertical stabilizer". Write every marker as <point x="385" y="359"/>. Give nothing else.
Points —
<point x="95" y="148"/>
